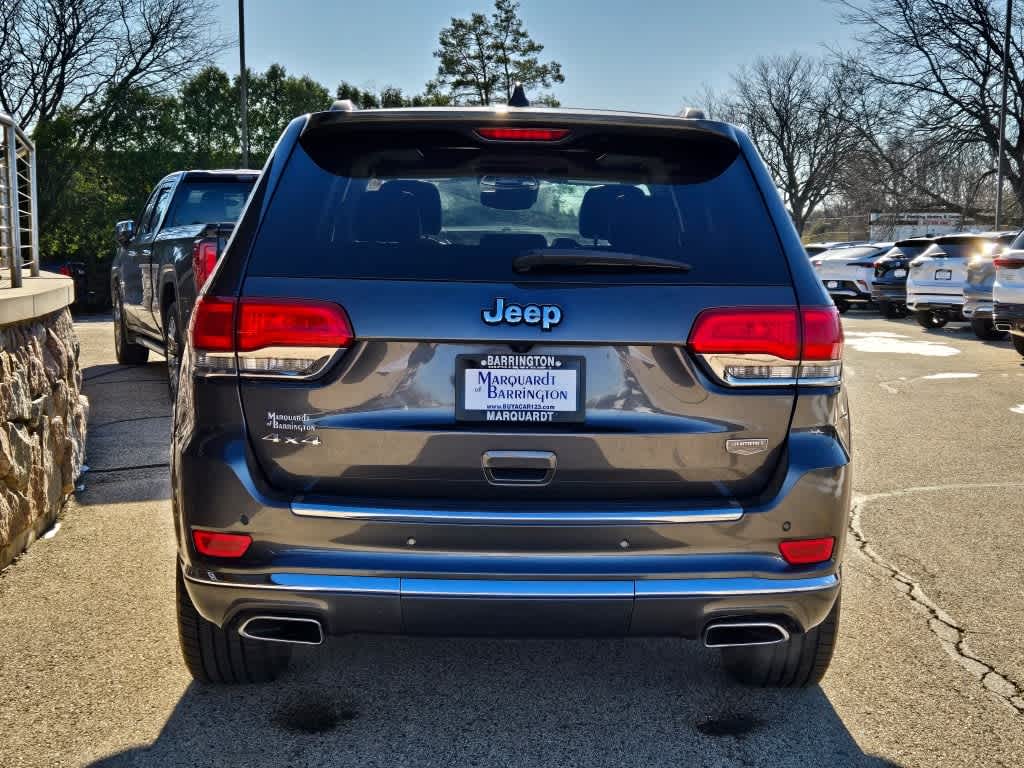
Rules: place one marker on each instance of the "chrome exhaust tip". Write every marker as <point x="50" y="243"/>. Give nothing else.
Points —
<point x="728" y="634"/>
<point x="295" y="630"/>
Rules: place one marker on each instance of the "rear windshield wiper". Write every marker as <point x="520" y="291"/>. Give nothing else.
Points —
<point x="583" y="259"/>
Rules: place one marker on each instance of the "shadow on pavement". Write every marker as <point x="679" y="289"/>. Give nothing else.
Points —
<point x="383" y="701"/>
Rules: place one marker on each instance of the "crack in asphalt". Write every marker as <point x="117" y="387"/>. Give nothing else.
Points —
<point x="951" y="634"/>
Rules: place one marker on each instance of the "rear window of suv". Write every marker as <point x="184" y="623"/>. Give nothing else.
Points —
<point x="438" y="206"/>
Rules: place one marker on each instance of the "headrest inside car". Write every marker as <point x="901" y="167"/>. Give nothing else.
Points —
<point x="427" y="198"/>
<point x="597" y="206"/>
<point x="388" y="216"/>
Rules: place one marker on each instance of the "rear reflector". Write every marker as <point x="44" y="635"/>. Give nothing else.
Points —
<point x="807" y="551"/>
<point x="267" y="337"/>
<point x="523" y="134"/>
<point x="765" y="346"/>
<point x="215" y="544"/>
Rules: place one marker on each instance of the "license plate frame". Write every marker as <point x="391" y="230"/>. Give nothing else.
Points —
<point x="943" y="274"/>
<point x="519" y="364"/>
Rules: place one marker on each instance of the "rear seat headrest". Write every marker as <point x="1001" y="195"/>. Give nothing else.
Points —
<point x="388" y="216"/>
<point x="598" y="205"/>
<point x="427" y="196"/>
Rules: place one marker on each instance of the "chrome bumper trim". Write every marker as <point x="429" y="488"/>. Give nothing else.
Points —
<point x="729" y="587"/>
<point x="522" y="588"/>
<point x="403" y="515"/>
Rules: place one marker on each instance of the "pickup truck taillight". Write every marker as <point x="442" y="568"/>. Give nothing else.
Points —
<point x="204" y="259"/>
<point x="293" y="338"/>
<point x="770" y="346"/>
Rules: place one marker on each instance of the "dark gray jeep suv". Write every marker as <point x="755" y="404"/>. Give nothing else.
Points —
<point x="512" y="371"/>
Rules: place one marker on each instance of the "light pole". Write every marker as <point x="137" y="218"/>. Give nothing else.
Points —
<point x="243" y="84"/>
<point x="1002" y="114"/>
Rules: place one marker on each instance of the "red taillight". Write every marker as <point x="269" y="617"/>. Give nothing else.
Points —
<point x="761" y="346"/>
<point x="213" y="324"/>
<point x="1009" y="262"/>
<point x="215" y="544"/>
<point x="807" y="551"/>
<point x="747" y="332"/>
<point x="267" y="337"/>
<point x="523" y="134"/>
<point x="823" y="334"/>
<point x="65" y="270"/>
<point x="204" y="259"/>
<point x="266" y="323"/>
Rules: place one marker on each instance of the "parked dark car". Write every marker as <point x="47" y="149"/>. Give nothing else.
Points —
<point x="509" y="371"/>
<point x="889" y="289"/>
<point x="164" y="257"/>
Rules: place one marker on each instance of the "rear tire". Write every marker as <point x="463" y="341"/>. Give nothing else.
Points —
<point x="986" y="330"/>
<point x="172" y="349"/>
<point x="928" y="318"/>
<point x="842" y="305"/>
<point x="127" y="352"/>
<point x="220" y="656"/>
<point x="801" y="661"/>
<point x="1018" y="343"/>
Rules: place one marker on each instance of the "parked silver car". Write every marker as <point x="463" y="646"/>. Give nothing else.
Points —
<point x="935" y="285"/>
<point x="978" y="291"/>
<point x="1008" y="292"/>
<point x="848" y="272"/>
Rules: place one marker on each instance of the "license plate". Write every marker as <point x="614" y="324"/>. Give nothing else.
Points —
<point x="832" y="284"/>
<point x="943" y="274"/>
<point x="515" y="389"/>
<point x="899" y="273"/>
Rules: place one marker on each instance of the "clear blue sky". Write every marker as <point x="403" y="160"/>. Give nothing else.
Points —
<point x="645" y="55"/>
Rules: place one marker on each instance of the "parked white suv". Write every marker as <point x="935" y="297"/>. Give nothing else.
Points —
<point x="935" y="285"/>
<point x="848" y="271"/>
<point x="1008" y="293"/>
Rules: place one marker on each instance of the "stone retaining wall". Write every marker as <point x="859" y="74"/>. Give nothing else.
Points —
<point x="42" y="426"/>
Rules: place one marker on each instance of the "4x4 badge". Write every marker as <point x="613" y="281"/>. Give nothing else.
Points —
<point x="547" y="316"/>
<point x="276" y="438"/>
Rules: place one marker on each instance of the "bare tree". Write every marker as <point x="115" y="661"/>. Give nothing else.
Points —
<point x="87" y="53"/>
<point x="939" y="65"/>
<point x="796" y="111"/>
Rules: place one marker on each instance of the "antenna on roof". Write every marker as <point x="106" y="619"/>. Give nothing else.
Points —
<point x="692" y="113"/>
<point x="518" y="98"/>
<point x="344" y="105"/>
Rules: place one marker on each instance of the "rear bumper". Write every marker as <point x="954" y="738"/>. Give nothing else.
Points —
<point x="847" y="290"/>
<point x="922" y="300"/>
<point x="892" y="292"/>
<point x="345" y="603"/>
<point x="1008" y="316"/>
<point x="584" y="569"/>
<point x="977" y="308"/>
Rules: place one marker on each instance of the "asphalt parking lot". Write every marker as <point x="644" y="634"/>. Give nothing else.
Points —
<point x="928" y="670"/>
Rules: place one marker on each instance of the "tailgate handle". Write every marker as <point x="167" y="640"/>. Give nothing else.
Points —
<point x="519" y="467"/>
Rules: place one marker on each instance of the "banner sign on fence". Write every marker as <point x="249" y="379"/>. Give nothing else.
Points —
<point x="897" y="226"/>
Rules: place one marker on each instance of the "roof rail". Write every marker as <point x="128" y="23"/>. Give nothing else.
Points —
<point x="343" y="105"/>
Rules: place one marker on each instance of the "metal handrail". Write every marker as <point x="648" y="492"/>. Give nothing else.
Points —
<point x="18" y="199"/>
